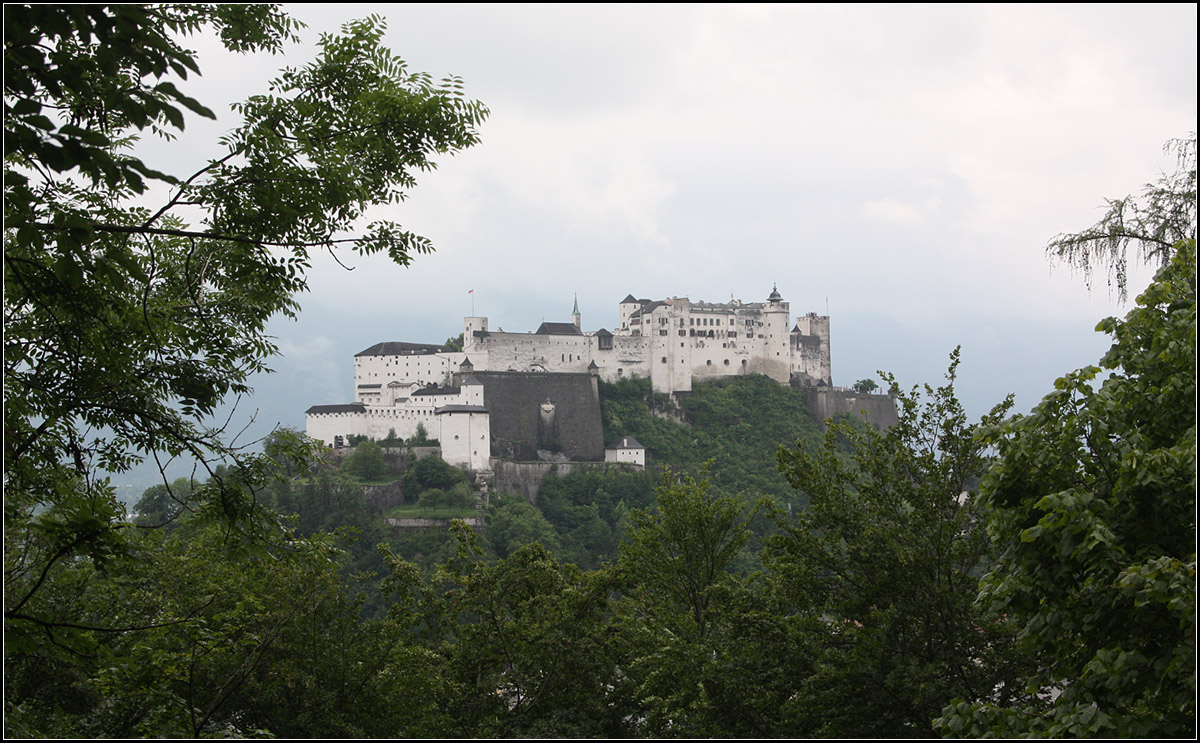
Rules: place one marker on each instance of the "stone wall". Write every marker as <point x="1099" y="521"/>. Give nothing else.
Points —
<point x="826" y="402"/>
<point x="532" y="411"/>
<point x="380" y="498"/>
<point x="400" y="525"/>
<point x="525" y="478"/>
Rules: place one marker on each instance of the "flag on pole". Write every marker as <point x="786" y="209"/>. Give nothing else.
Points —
<point x="470" y="291"/>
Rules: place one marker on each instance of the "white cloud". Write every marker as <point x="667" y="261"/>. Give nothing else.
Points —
<point x="707" y="149"/>
<point x="888" y="210"/>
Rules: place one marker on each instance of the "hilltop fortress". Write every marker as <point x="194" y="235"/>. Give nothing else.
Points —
<point x="520" y="395"/>
<point x="670" y="341"/>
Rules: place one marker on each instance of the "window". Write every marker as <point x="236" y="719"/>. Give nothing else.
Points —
<point x="727" y="362"/>
<point x="664" y="359"/>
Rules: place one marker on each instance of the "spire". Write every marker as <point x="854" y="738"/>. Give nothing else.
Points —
<point x="575" y="316"/>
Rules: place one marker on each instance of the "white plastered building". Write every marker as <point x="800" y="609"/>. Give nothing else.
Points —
<point x="670" y="341"/>
<point x="453" y="414"/>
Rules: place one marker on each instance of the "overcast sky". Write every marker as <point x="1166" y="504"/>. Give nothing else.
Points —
<point x="901" y="166"/>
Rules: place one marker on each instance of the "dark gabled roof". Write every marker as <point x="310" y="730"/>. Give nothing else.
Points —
<point x="628" y="299"/>
<point x="626" y="442"/>
<point x="471" y="379"/>
<point x="602" y="331"/>
<point x="437" y="391"/>
<point x="460" y="409"/>
<point x="369" y="386"/>
<point x="647" y="308"/>
<point x="557" y="328"/>
<point x="354" y="407"/>
<point x="399" y="348"/>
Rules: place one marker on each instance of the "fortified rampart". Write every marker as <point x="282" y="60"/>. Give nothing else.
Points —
<point x="550" y="412"/>
<point x="513" y="395"/>
<point x="525" y="478"/>
<point x="827" y="402"/>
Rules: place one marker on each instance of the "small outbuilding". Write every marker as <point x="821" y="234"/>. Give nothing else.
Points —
<point x="626" y="450"/>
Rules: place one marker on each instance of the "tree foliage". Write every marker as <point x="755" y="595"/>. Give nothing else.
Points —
<point x="738" y="422"/>
<point x="125" y="326"/>
<point x="161" y="504"/>
<point x="431" y="472"/>
<point x="1152" y="223"/>
<point x="366" y="462"/>
<point x="865" y="385"/>
<point x="1093" y="504"/>
<point x="882" y="568"/>
<point x="678" y="621"/>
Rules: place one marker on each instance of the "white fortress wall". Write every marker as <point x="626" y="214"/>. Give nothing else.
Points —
<point x="403" y="415"/>
<point x="384" y="363"/>
<point x="464" y="431"/>
<point x="670" y="341"/>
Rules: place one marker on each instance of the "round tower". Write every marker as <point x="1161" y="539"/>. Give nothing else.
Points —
<point x="471" y="326"/>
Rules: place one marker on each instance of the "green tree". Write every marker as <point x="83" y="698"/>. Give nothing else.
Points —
<point x="1152" y="223"/>
<point x="160" y="505"/>
<point x="455" y="343"/>
<point x="531" y="655"/>
<point x="678" y="626"/>
<point x="514" y="523"/>
<point x="865" y="385"/>
<point x="881" y="570"/>
<point x="366" y="462"/>
<point x="1093" y="504"/>
<point x="125" y="326"/>
<point x="218" y="635"/>
<point x="421" y="437"/>
<point x="431" y="472"/>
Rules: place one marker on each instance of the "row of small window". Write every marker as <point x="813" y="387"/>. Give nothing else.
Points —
<point x="706" y="363"/>
<point x="698" y="321"/>
<point x="704" y="334"/>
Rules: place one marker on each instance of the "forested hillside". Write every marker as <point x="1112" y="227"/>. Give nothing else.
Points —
<point x="617" y="608"/>
<point x="737" y="422"/>
<point x="1021" y="575"/>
